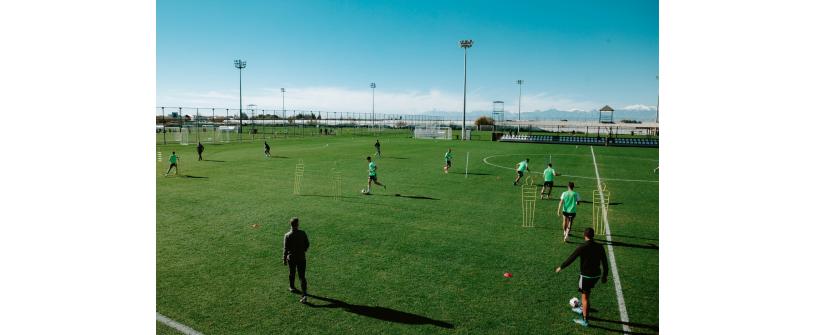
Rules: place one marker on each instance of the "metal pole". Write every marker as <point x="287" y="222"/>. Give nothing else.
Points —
<point x="464" y="114"/>
<point x="520" y="83"/>
<point x="240" y="101"/>
<point x="163" y="125"/>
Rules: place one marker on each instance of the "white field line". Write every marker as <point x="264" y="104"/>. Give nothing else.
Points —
<point x="485" y="160"/>
<point x="614" y="273"/>
<point x="175" y="325"/>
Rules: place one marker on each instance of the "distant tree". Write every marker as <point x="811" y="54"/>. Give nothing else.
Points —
<point x="174" y="115"/>
<point x="484" y="121"/>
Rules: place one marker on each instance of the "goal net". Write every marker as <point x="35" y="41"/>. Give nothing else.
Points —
<point x="224" y="133"/>
<point x="433" y="132"/>
<point x="180" y="135"/>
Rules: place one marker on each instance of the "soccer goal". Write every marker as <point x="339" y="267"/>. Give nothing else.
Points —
<point x="179" y="134"/>
<point x="433" y="132"/>
<point x="224" y="133"/>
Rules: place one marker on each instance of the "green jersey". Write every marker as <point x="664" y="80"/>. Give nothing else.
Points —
<point x="173" y="159"/>
<point x="372" y="169"/>
<point x="522" y="166"/>
<point x="570" y="199"/>
<point x="448" y="156"/>
<point x="549" y="174"/>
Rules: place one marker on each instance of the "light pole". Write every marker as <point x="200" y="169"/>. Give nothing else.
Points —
<point x="252" y="108"/>
<point x="519" y="82"/>
<point x="240" y="65"/>
<point x="373" y="89"/>
<point x="283" y="92"/>
<point x="657" y="98"/>
<point x="465" y="44"/>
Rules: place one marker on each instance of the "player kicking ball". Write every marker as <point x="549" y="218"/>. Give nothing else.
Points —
<point x="521" y="167"/>
<point x="568" y="202"/>
<point x="448" y="159"/>
<point x="592" y="257"/>
<point x="372" y="176"/>
<point x="173" y="164"/>
<point x="548" y="181"/>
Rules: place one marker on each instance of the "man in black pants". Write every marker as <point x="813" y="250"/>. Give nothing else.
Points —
<point x="200" y="150"/>
<point x="295" y="245"/>
<point x="592" y="256"/>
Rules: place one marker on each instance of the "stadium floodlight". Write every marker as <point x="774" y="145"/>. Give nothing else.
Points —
<point x="465" y="44"/>
<point x="240" y="65"/>
<point x="283" y="92"/>
<point x="519" y="82"/>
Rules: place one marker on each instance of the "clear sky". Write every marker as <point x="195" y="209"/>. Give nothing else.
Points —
<point x="571" y="54"/>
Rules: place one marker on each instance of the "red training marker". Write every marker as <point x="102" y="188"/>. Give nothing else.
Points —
<point x="507" y="275"/>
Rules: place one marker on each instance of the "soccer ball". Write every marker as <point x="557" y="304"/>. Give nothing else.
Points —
<point x="574" y="302"/>
<point x="362" y="191"/>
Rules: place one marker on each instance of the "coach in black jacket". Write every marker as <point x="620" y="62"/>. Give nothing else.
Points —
<point x="295" y="245"/>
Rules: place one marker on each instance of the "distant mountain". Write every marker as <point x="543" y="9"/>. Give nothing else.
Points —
<point x="637" y="113"/>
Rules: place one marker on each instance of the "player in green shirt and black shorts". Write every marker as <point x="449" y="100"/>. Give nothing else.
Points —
<point x="548" y="181"/>
<point x="448" y="159"/>
<point x="372" y="176"/>
<point x="568" y="202"/>
<point x="522" y="167"/>
<point x="173" y="164"/>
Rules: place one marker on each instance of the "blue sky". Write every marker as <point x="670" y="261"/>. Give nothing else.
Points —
<point x="576" y="55"/>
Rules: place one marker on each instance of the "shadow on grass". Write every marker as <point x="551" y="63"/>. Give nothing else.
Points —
<point x="394" y="157"/>
<point x="628" y="245"/>
<point x="193" y="177"/>
<point x="591" y="202"/>
<point x="213" y="160"/>
<point x="381" y="313"/>
<point x="278" y="157"/>
<point x="596" y="320"/>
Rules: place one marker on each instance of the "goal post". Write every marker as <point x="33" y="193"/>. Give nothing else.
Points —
<point x="433" y="132"/>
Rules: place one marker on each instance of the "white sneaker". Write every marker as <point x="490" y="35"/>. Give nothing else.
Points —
<point x="303" y="300"/>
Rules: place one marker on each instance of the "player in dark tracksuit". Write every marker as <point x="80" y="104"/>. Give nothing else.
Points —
<point x="295" y="245"/>
<point x="200" y="149"/>
<point x="592" y="256"/>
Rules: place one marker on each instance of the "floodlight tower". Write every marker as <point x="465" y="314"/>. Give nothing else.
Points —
<point x="519" y="82"/>
<point x="373" y="97"/>
<point x="283" y="93"/>
<point x="240" y="65"/>
<point x="465" y="44"/>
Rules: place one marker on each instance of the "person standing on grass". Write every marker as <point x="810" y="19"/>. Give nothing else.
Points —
<point x="378" y="148"/>
<point x="548" y="181"/>
<point x="592" y="256"/>
<point x="200" y="150"/>
<point x="372" y="175"/>
<point x="521" y="167"/>
<point x="448" y="159"/>
<point x="568" y="202"/>
<point x="173" y="164"/>
<point x="267" y="150"/>
<point x="295" y="245"/>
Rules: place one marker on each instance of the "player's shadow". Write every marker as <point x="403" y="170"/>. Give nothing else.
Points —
<point x="279" y="157"/>
<point x="381" y="313"/>
<point x="194" y="177"/>
<point x="213" y="160"/>
<point x="395" y="157"/>
<point x="415" y="197"/>
<point x="591" y="202"/>
<point x="616" y="329"/>
<point x="628" y="245"/>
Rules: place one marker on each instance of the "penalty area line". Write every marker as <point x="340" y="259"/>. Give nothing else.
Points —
<point x="614" y="273"/>
<point x="176" y="325"/>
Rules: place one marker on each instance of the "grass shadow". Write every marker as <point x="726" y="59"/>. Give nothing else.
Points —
<point x="380" y="313"/>
<point x="628" y="245"/>
<point x="213" y="160"/>
<point x="279" y="157"/>
<point x="194" y="177"/>
<point x="414" y="197"/>
<point x="394" y="157"/>
<point x="654" y="328"/>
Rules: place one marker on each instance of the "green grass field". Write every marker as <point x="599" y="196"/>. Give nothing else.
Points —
<point x="428" y="261"/>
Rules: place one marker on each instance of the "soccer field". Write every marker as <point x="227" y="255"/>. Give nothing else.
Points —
<point x="430" y="260"/>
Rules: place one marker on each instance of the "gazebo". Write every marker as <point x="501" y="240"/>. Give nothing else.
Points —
<point x="606" y="114"/>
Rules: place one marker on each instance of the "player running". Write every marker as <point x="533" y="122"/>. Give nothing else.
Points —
<point x="521" y="167"/>
<point x="200" y="150"/>
<point x="568" y="202"/>
<point x="548" y="181"/>
<point x="372" y="176"/>
<point x="267" y="150"/>
<point x="448" y="159"/>
<point x="378" y="148"/>
<point x="173" y="164"/>
<point x="592" y="256"/>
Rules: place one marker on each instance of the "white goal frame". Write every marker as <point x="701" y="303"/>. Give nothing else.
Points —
<point x="433" y="132"/>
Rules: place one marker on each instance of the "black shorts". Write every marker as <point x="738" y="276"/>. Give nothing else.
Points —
<point x="173" y="165"/>
<point x="585" y="284"/>
<point x="372" y="178"/>
<point x="548" y="183"/>
<point x="520" y="173"/>
<point x="449" y="163"/>
<point x="569" y="215"/>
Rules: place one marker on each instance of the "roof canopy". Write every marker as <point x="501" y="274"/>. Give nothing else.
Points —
<point x="606" y="108"/>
